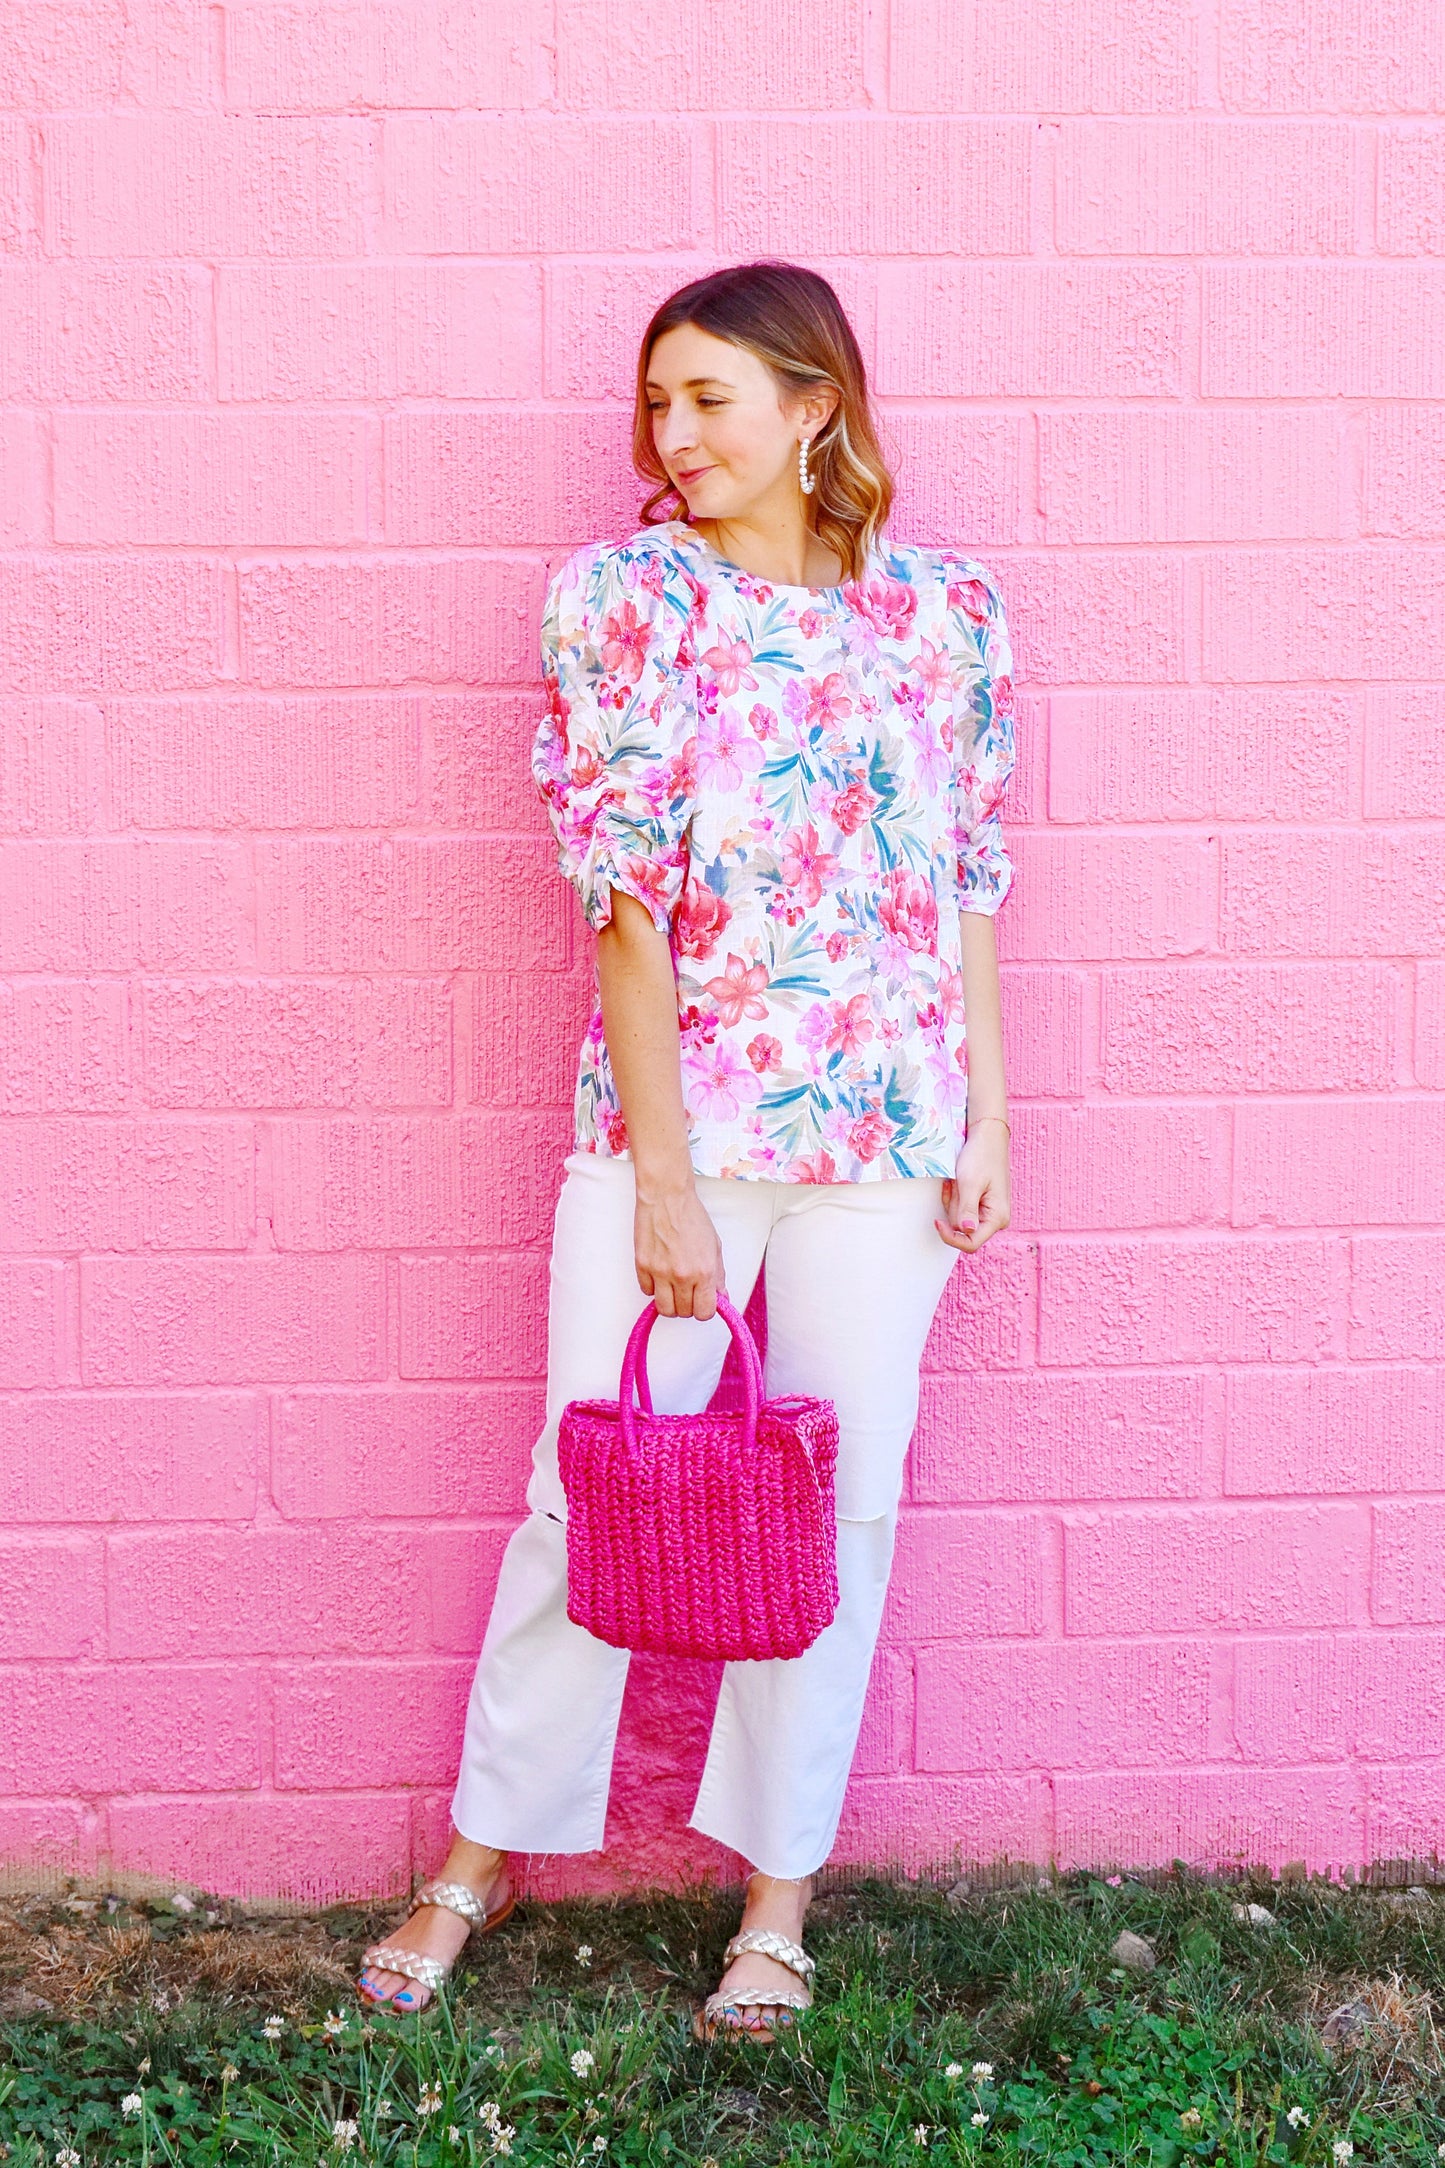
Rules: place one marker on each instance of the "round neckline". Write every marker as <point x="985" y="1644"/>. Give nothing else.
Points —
<point x="730" y="564"/>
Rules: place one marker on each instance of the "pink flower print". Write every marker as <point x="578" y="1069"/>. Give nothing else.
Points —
<point x="890" y="1030"/>
<point x="814" y="1028"/>
<point x="718" y="1086"/>
<point x="702" y="920"/>
<point x="934" y="671"/>
<point x="696" y="1027"/>
<point x="646" y="879"/>
<point x="951" y="1090"/>
<point x="851" y="1024"/>
<point x="739" y="991"/>
<point x="820" y="1168"/>
<point x="837" y="947"/>
<point x="806" y="865"/>
<point x="584" y="768"/>
<point x="1003" y="695"/>
<point x="888" y="606"/>
<point x="909" y="911"/>
<point x="852" y="807"/>
<point x="652" y="578"/>
<point x="762" y="722"/>
<point x="828" y="699"/>
<point x="616" y="1128"/>
<point x="624" y="643"/>
<point x="933" y="760"/>
<point x="810" y="624"/>
<point x="950" y="993"/>
<point x="728" y="754"/>
<point x="970" y="596"/>
<point x="729" y="662"/>
<point x="870" y="1136"/>
<point x="765" y="1052"/>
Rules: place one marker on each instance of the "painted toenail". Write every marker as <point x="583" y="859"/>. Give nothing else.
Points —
<point x="404" y="1998"/>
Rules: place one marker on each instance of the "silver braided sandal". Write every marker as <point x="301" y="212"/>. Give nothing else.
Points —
<point x="708" y="2021"/>
<point x="430" y="1972"/>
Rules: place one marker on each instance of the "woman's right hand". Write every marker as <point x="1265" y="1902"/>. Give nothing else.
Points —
<point x="678" y="1255"/>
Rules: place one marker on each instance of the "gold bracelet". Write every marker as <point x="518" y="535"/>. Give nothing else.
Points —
<point x="989" y="1118"/>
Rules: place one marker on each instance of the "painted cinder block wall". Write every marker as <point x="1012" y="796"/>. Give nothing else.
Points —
<point x="316" y="327"/>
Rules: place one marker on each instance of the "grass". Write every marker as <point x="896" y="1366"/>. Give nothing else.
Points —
<point x="139" y="2034"/>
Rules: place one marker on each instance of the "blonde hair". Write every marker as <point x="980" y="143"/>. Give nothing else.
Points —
<point x="795" y="323"/>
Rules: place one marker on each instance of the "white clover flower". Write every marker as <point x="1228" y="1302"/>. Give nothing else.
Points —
<point x="333" y="2024"/>
<point x="1297" y="2119"/>
<point x="502" y="2139"/>
<point x="274" y="2027"/>
<point x="1342" y="2149"/>
<point x="67" y="2157"/>
<point x="978" y="2119"/>
<point x="981" y="2072"/>
<point x="599" y="2144"/>
<point x="490" y="2113"/>
<point x="953" y="2070"/>
<point x="229" y="2074"/>
<point x="920" y="2134"/>
<point x="454" y="2134"/>
<point x="345" y="2135"/>
<point x="1191" y="2119"/>
<point x="430" y="2102"/>
<point x="584" y="1953"/>
<point x="132" y="2104"/>
<point x="583" y="2061"/>
<point x="383" y="2107"/>
<point x="1440" y="2150"/>
<point x="143" y="2066"/>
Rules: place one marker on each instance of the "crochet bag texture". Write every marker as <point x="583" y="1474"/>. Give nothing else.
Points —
<point x="700" y="1535"/>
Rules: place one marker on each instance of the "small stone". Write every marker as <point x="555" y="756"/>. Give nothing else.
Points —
<point x="182" y="1903"/>
<point x="1133" y="1952"/>
<point x="1254" y="1915"/>
<point x="1347" y="2024"/>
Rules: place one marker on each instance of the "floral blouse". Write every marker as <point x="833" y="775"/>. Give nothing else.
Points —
<point x="802" y="786"/>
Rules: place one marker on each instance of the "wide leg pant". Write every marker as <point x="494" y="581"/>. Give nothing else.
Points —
<point x="854" y="1273"/>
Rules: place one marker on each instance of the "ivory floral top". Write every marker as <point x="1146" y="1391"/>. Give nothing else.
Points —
<point x="802" y="786"/>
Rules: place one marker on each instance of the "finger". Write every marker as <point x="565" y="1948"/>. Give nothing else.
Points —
<point x="664" y="1298"/>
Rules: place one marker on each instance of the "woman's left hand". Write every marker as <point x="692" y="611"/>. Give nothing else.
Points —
<point x="976" y="1200"/>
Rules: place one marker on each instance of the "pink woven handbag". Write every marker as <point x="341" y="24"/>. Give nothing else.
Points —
<point x="700" y="1535"/>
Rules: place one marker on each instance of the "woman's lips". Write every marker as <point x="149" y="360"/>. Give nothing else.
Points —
<point x="692" y="474"/>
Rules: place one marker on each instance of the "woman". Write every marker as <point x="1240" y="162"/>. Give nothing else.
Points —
<point x="773" y="758"/>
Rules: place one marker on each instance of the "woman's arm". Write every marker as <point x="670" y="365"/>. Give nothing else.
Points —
<point x="977" y="1200"/>
<point x="676" y="1248"/>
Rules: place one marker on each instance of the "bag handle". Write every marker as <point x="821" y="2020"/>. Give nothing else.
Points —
<point x="634" y="1368"/>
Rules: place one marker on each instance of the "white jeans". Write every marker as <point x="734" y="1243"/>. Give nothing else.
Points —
<point x="854" y="1273"/>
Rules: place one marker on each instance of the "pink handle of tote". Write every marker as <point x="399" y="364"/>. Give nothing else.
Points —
<point x="634" y="1368"/>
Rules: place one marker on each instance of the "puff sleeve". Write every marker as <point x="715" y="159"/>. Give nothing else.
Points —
<point x="983" y="732"/>
<point x="615" y="755"/>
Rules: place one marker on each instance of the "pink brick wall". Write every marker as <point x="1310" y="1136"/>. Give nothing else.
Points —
<point x="316" y="324"/>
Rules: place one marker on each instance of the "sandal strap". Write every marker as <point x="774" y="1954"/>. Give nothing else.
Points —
<point x="453" y="1897"/>
<point x="754" y="1999"/>
<point x="772" y="1944"/>
<point x="428" y="1971"/>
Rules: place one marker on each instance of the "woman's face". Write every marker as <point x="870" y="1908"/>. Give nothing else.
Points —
<point x="720" y="424"/>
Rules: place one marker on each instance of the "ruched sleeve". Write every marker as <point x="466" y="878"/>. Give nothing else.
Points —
<point x="615" y="754"/>
<point x="983" y="729"/>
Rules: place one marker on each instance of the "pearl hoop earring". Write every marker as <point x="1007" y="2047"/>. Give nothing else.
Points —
<point x="805" y="480"/>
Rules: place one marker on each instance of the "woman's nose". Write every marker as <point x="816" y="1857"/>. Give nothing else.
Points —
<point x="674" y="437"/>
